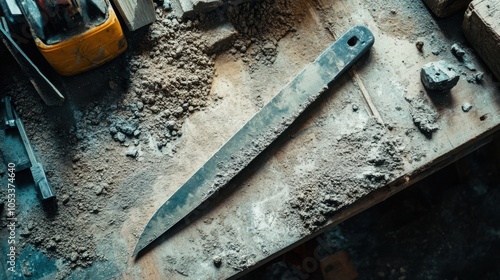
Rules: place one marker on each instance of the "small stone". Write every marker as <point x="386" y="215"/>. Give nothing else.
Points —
<point x="439" y="76"/>
<point x="137" y="132"/>
<point x="435" y="52"/>
<point x="466" y="107"/>
<point x="120" y="137"/>
<point x="127" y="127"/>
<point x="470" y="66"/>
<point x="140" y="106"/>
<point x="419" y="45"/>
<point x="217" y="261"/>
<point x="74" y="256"/>
<point x="170" y="124"/>
<point x="355" y="107"/>
<point x="98" y="190"/>
<point x="479" y="77"/>
<point x="113" y="130"/>
<point x="77" y="158"/>
<point x="133" y="153"/>
<point x="457" y="51"/>
<point x="65" y="198"/>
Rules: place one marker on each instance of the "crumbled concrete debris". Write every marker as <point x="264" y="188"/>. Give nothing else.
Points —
<point x="217" y="261"/>
<point x="479" y="77"/>
<point x="339" y="184"/>
<point x="120" y="137"/>
<point x="419" y="45"/>
<point x="457" y="51"/>
<point x="466" y="107"/>
<point x="469" y="65"/>
<point x="423" y="114"/>
<point x="133" y="153"/>
<point x="439" y="76"/>
<point x="475" y="78"/>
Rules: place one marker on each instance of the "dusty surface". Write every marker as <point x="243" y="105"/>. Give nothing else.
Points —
<point x="135" y="129"/>
<point x="443" y="227"/>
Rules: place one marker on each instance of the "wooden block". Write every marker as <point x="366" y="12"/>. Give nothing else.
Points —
<point x="136" y="13"/>
<point x="481" y="27"/>
<point x="444" y="8"/>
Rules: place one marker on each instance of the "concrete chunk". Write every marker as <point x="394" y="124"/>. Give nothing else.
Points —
<point x="438" y="76"/>
<point x="444" y="8"/>
<point x="481" y="27"/>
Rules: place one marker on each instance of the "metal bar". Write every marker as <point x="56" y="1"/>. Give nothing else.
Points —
<point x="260" y="131"/>
<point x="46" y="190"/>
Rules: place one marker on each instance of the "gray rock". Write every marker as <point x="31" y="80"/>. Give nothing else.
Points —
<point x="113" y="130"/>
<point x="469" y="65"/>
<point x="98" y="189"/>
<point x="217" y="261"/>
<point x="133" y="153"/>
<point x="120" y="137"/>
<point x="439" y="76"/>
<point x="479" y="77"/>
<point x="171" y="124"/>
<point x="127" y="127"/>
<point x="466" y="107"/>
<point x="457" y="51"/>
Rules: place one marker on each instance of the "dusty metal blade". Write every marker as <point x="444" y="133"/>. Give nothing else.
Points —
<point x="260" y="131"/>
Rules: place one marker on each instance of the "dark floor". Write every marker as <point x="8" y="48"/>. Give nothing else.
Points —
<point x="444" y="227"/>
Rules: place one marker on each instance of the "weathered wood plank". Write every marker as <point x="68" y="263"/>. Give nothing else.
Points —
<point x="136" y="13"/>
<point x="482" y="28"/>
<point x="444" y="8"/>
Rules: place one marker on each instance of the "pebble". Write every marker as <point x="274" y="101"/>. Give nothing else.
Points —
<point x="466" y="107"/>
<point x="98" y="189"/>
<point x="217" y="261"/>
<point x="65" y="198"/>
<point x="133" y="153"/>
<point x="120" y="137"/>
<point x="419" y="45"/>
<point x="457" y="51"/>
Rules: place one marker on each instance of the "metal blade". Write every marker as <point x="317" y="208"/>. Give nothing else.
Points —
<point x="260" y="131"/>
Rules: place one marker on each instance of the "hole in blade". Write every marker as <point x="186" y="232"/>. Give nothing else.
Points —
<point x="353" y="41"/>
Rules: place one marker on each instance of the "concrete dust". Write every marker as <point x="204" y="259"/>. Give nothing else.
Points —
<point x="364" y="161"/>
<point x="424" y="116"/>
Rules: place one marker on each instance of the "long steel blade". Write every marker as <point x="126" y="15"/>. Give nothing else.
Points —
<point x="260" y="131"/>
